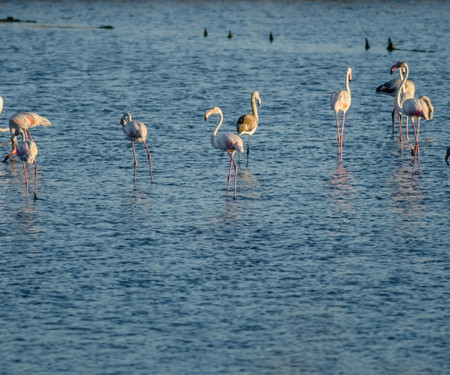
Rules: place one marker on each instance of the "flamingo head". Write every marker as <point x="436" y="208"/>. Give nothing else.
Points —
<point x="212" y="111"/>
<point x="349" y="74"/>
<point x="125" y="118"/>
<point x="255" y="96"/>
<point x="399" y="64"/>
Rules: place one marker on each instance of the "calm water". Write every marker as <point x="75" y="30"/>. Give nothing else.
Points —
<point x="316" y="268"/>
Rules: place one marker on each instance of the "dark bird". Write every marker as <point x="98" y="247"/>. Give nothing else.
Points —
<point x="271" y="37"/>
<point x="367" y="44"/>
<point x="205" y="32"/>
<point x="230" y="35"/>
<point x="390" y="46"/>
<point x="447" y="156"/>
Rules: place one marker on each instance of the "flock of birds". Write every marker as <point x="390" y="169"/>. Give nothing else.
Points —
<point x="401" y="88"/>
<point x="405" y="104"/>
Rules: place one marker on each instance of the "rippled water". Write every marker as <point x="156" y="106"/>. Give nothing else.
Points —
<point x="318" y="267"/>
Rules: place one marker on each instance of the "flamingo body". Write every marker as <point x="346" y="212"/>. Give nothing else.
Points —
<point x="27" y="152"/>
<point x="248" y="123"/>
<point x="415" y="109"/>
<point x="341" y="101"/>
<point x="136" y="131"/>
<point x="20" y="123"/>
<point x="226" y="142"/>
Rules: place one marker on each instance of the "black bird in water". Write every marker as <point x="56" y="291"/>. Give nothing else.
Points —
<point x="447" y="156"/>
<point x="271" y="37"/>
<point x="367" y="44"/>
<point x="390" y="46"/>
<point x="230" y="35"/>
<point x="205" y="32"/>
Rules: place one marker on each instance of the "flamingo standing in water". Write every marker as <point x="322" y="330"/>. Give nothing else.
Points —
<point x="248" y="123"/>
<point x="19" y="124"/>
<point x="340" y="101"/>
<point x="390" y="88"/>
<point x="228" y="142"/>
<point x="136" y="131"/>
<point x="415" y="109"/>
<point x="27" y="151"/>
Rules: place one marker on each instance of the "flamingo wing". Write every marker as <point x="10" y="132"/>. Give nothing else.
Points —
<point x="229" y="142"/>
<point x="340" y="100"/>
<point x="247" y="124"/>
<point x="135" y="131"/>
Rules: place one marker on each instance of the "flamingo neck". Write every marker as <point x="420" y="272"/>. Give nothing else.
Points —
<point x="347" y="83"/>
<point x="214" y="133"/>
<point x="402" y="86"/>
<point x="254" y="107"/>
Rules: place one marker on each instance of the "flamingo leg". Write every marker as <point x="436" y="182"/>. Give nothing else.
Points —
<point x="416" y="148"/>
<point x="248" y="147"/>
<point x="400" y="126"/>
<point x="407" y="134"/>
<point x="149" y="161"/>
<point x="393" y="121"/>
<point x="35" y="179"/>
<point x="229" y="172"/>
<point x="25" y="176"/>
<point x="342" y="130"/>
<point x="135" y="160"/>
<point x="338" y="132"/>
<point x="235" y="174"/>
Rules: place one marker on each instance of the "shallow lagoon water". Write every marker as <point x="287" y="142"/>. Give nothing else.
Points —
<point x="318" y="267"/>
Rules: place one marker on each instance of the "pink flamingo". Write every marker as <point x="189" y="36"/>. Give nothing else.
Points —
<point x="415" y="109"/>
<point x="19" y="124"/>
<point x="248" y="123"/>
<point x="340" y="101"/>
<point x="27" y="151"/>
<point x="136" y="131"/>
<point x="228" y="142"/>
<point x="390" y="88"/>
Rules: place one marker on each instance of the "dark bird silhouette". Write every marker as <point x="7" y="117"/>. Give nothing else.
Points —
<point x="367" y="44"/>
<point x="205" y="32"/>
<point x="391" y="45"/>
<point x="447" y="156"/>
<point x="230" y="35"/>
<point x="271" y="37"/>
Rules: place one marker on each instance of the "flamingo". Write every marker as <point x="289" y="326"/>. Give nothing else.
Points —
<point x="136" y="131"/>
<point x="27" y="151"/>
<point x="390" y="88"/>
<point x="340" y="101"/>
<point x="228" y="142"/>
<point x="248" y="123"/>
<point x="415" y="109"/>
<point x="19" y="124"/>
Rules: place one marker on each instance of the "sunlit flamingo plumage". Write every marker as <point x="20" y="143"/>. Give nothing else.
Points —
<point x="27" y="151"/>
<point x="228" y="142"/>
<point x="415" y="109"/>
<point x="340" y="101"/>
<point x="19" y="124"/>
<point x="248" y="123"/>
<point x="136" y="131"/>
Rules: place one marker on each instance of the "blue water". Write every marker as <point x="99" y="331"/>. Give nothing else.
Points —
<point x="318" y="267"/>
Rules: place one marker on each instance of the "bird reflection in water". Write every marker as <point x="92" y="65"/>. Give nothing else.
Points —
<point x="341" y="193"/>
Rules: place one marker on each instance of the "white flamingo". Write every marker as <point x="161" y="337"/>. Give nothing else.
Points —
<point x="136" y="131"/>
<point x="390" y="88"/>
<point x="27" y="151"/>
<point x="340" y="101"/>
<point x="228" y="142"/>
<point x="415" y="109"/>
<point x="248" y="123"/>
<point x="19" y="124"/>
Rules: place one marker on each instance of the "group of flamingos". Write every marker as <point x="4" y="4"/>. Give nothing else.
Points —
<point x="135" y="131"/>
<point x="405" y="103"/>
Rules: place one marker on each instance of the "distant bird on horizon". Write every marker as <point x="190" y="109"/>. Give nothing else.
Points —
<point x="248" y="123"/>
<point x="205" y="32"/>
<point x="20" y="124"/>
<point x="228" y="142"/>
<point x="340" y="101"/>
<point x="230" y="35"/>
<point x="136" y="131"/>
<point x="367" y="44"/>
<point x="271" y="37"/>
<point x="391" y="46"/>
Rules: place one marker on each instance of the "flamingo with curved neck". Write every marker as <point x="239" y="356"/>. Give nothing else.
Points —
<point x="340" y="101"/>
<point x="413" y="108"/>
<point x="228" y="142"/>
<point x="248" y="123"/>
